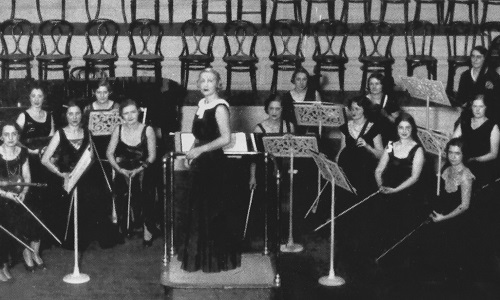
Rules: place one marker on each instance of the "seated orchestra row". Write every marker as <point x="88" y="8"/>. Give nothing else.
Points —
<point x="380" y="151"/>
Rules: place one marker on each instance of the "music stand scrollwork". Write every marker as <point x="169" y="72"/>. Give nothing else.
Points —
<point x="103" y="122"/>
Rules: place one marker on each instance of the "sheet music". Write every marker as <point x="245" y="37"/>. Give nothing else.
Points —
<point x="332" y="172"/>
<point x="311" y="113"/>
<point x="104" y="122"/>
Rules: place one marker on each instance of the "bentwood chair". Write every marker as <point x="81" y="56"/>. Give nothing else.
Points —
<point x="489" y="31"/>
<point x="376" y="49"/>
<point x="472" y="5"/>
<point x="55" y="54"/>
<point x="240" y="38"/>
<point x="297" y="9"/>
<point x="439" y="9"/>
<point x="197" y="47"/>
<point x="330" y="10"/>
<point x="330" y="38"/>
<point x="486" y="4"/>
<point x="286" y="47"/>
<point x="205" y="11"/>
<point x="367" y="9"/>
<point x="383" y="8"/>
<point x="419" y="42"/>
<point x="460" y="39"/>
<point x="101" y="36"/>
<point x="16" y="36"/>
<point x="240" y="12"/>
<point x="145" y="37"/>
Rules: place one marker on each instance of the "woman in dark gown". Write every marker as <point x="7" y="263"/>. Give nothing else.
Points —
<point x="14" y="167"/>
<point x="446" y="247"/>
<point x="209" y="244"/>
<point x="397" y="176"/>
<point x="131" y="150"/>
<point x="37" y="126"/>
<point x="481" y="142"/>
<point x="61" y="156"/>
<point x="385" y="107"/>
<point x="361" y="147"/>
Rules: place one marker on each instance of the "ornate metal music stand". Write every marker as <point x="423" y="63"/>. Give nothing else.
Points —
<point x="435" y="143"/>
<point x="335" y="176"/>
<point x="103" y="122"/>
<point x="428" y="90"/>
<point x="319" y="114"/>
<point x="290" y="146"/>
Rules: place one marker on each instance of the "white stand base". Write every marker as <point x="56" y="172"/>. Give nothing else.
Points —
<point x="331" y="280"/>
<point x="76" y="278"/>
<point x="291" y="248"/>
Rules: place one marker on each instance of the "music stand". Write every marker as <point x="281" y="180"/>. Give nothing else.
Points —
<point x="290" y="146"/>
<point x="104" y="122"/>
<point x="335" y="176"/>
<point x="428" y="90"/>
<point x="319" y="114"/>
<point x="435" y="143"/>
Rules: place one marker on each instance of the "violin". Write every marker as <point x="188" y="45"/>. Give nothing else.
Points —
<point x="16" y="183"/>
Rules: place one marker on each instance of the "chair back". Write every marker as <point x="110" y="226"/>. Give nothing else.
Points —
<point x="240" y="38"/>
<point x="419" y="38"/>
<point x="286" y="37"/>
<point x="330" y="37"/>
<point x="62" y="6"/>
<point x="376" y="39"/>
<point x="55" y="37"/>
<point x="101" y="36"/>
<point x="489" y="31"/>
<point x="145" y="37"/>
<point x="16" y="36"/>
<point x="198" y="37"/>
<point x="460" y="38"/>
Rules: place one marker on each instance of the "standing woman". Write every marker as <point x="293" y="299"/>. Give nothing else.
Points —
<point x="209" y="244"/>
<point x="361" y="147"/>
<point x="481" y="138"/>
<point x="37" y="126"/>
<point x="385" y="108"/>
<point x="14" y="167"/>
<point x="302" y="91"/>
<point x="131" y="150"/>
<point x="62" y="154"/>
<point x="397" y="176"/>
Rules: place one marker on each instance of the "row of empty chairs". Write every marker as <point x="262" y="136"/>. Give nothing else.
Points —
<point x="240" y="38"/>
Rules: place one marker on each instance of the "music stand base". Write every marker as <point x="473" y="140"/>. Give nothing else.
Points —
<point x="76" y="278"/>
<point x="331" y="280"/>
<point x="291" y="248"/>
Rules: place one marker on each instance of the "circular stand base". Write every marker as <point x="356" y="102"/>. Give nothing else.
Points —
<point x="331" y="281"/>
<point x="291" y="248"/>
<point x="76" y="278"/>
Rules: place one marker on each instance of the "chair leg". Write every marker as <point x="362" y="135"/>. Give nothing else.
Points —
<point x="451" y="79"/>
<point x="239" y="10"/>
<point x="134" y="69"/>
<point x="342" y="78"/>
<point x="193" y="9"/>
<point x="344" y="15"/>
<point x="40" y="70"/>
<point x="274" y="82"/>
<point x="406" y="7"/>
<point x="450" y="14"/>
<point x="364" y="77"/>
<point x="253" y="79"/>
<point x="331" y="10"/>
<point x="308" y="15"/>
<point x="273" y="12"/>
<point x="418" y="7"/>
<point x="409" y="69"/>
<point x="28" y="70"/>
<point x="383" y="9"/>
<point x="228" y="83"/>
<point x="476" y="12"/>
<point x="440" y="12"/>
<point x="368" y="10"/>
<point x="158" y="74"/>
<point x="112" y="70"/>
<point x="186" y="76"/>
<point x="298" y="11"/>
<point x="263" y="11"/>
<point x="485" y="12"/>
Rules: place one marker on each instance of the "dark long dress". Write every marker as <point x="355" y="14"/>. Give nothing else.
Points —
<point x="477" y="143"/>
<point x="209" y="244"/>
<point x="389" y="105"/>
<point x="142" y="201"/>
<point x="288" y="104"/>
<point x="358" y="163"/>
<point x="402" y="211"/>
<point x="94" y="222"/>
<point x="12" y="215"/>
<point x="35" y="135"/>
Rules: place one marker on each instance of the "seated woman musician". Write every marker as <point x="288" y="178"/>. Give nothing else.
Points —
<point x="131" y="150"/>
<point x="481" y="138"/>
<point x="64" y="151"/>
<point x="385" y="107"/>
<point x="209" y="243"/>
<point x="14" y="168"/>
<point x="361" y="147"/>
<point x="274" y="124"/>
<point x="397" y="175"/>
<point x="302" y="91"/>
